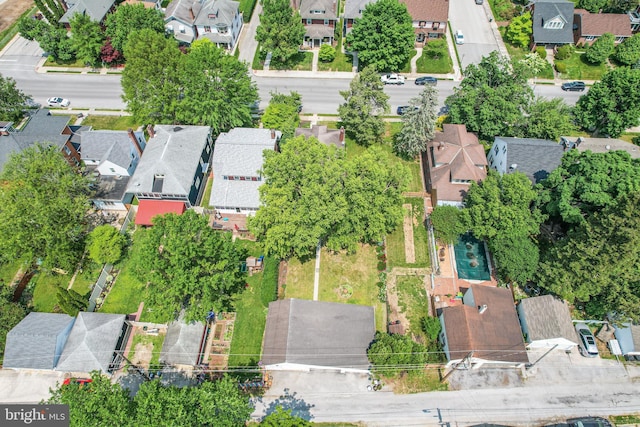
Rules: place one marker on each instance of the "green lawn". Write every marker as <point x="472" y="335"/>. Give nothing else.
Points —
<point x="578" y="68"/>
<point x="246" y="8"/>
<point x="341" y="62"/>
<point x="300" y="279"/>
<point x="155" y="340"/>
<point x="8" y="271"/>
<point x="85" y="280"/>
<point x="44" y="292"/>
<point x="517" y="53"/>
<point x="110" y="122"/>
<point x="395" y="240"/>
<point x="302" y="61"/>
<point x="435" y="58"/>
<point x="413" y="300"/>
<point x="76" y="63"/>
<point x="407" y="66"/>
<point x="207" y="194"/>
<point x="251" y="312"/>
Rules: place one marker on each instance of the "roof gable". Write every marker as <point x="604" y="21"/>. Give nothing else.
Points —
<point x="95" y="9"/>
<point x="217" y="12"/>
<point x="353" y="8"/>
<point x="109" y="145"/>
<point x="547" y="317"/>
<point x="318" y="9"/>
<point x="182" y="343"/>
<point x="553" y="21"/>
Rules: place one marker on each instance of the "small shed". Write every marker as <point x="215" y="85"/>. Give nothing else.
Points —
<point x="183" y="344"/>
<point x="254" y="264"/>
<point x="628" y="336"/>
<point x="545" y="322"/>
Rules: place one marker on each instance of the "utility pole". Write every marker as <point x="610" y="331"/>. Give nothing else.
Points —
<point x="455" y="366"/>
<point x="541" y="357"/>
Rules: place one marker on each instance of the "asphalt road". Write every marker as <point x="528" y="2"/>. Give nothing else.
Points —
<point x="472" y="19"/>
<point x="320" y="96"/>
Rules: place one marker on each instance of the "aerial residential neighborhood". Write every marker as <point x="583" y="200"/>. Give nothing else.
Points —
<point x="320" y="212"/>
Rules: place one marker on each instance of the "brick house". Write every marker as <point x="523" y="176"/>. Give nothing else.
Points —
<point x="589" y="26"/>
<point x="429" y="17"/>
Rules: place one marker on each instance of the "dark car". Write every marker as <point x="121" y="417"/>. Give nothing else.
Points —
<point x="573" y="86"/>
<point x="589" y="422"/>
<point x="404" y="108"/>
<point x="426" y="80"/>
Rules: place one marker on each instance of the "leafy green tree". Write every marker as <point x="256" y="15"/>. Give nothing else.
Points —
<point x="327" y="53"/>
<point x="106" y="244"/>
<point x="593" y="6"/>
<point x="87" y="38"/>
<point x="534" y="63"/>
<point x="601" y="49"/>
<point x="547" y="119"/>
<point x="98" y="403"/>
<point x="30" y="28"/>
<point x="516" y="258"/>
<point x="418" y="124"/>
<point x="431" y="327"/>
<point x="384" y="36"/>
<point x="519" y="31"/>
<point x="12" y="100"/>
<point x="598" y="262"/>
<point x="365" y="103"/>
<point x="47" y="12"/>
<point x="283" y="418"/>
<point x="612" y="105"/>
<point x="216" y="89"/>
<point x="447" y="223"/>
<point x="70" y="302"/>
<point x="282" y="114"/>
<point x="313" y="193"/>
<point x="56" y="42"/>
<point x="150" y="81"/>
<point x="628" y="52"/>
<point x="37" y="186"/>
<point x="501" y="207"/>
<point x="189" y="265"/>
<point x="281" y="30"/>
<point x="621" y="6"/>
<point x="564" y="52"/>
<point x="11" y="313"/>
<point x="218" y="403"/>
<point x="586" y="183"/>
<point x="392" y="354"/>
<point x="56" y="8"/>
<point x="129" y="18"/>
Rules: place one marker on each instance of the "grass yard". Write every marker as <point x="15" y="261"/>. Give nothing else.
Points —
<point x="407" y="66"/>
<point x="302" y="61"/>
<point x="85" y="280"/>
<point x="44" y="291"/>
<point x="341" y="62"/>
<point x="246" y="8"/>
<point x="517" y="53"/>
<point x="8" y="271"/>
<point x="206" y="197"/>
<point x="76" y="63"/>
<point x="111" y="122"/>
<point x="356" y="272"/>
<point x="417" y="382"/>
<point x="413" y="300"/>
<point x="395" y="240"/>
<point x="435" y="58"/>
<point x="155" y="340"/>
<point x="579" y="69"/>
<point x="300" y="279"/>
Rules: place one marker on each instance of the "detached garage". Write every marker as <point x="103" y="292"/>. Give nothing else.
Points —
<point x="546" y="322"/>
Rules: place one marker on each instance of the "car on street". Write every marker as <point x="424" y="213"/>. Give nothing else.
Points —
<point x="392" y="79"/>
<point x="426" y="80"/>
<point x="78" y="381"/>
<point x="479" y="1"/>
<point x="57" y="102"/>
<point x="573" y="86"/>
<point x="459" y="37"/>
<point x="583" y="422"/>
<point x="588" y="347"/>
<point x="404" y="108"/>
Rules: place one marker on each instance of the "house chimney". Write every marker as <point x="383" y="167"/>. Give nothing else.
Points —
<point x="191" y="14"/>
<point x="440" y="145"/>
<point x="342" y="135"/>
<point x="273" y="134"/>
<point x="136" y="143"/>
<point x="482" y="308"/>
<point x="151" y="131"/>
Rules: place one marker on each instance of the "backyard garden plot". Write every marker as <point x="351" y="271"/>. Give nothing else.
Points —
<point x="396" y="249"/>
<point x="413" y="302"/>
<point x="146" y="347"/>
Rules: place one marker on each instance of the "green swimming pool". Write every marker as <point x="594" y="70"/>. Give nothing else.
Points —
<point x="471" y="258"/>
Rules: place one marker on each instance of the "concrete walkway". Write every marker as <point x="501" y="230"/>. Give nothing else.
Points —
<point x="314" y="63"/>
<point x="414" y="61"/>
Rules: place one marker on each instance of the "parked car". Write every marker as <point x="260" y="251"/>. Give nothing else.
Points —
<point x="426" y="80"/>
<point x="589" y="422"/>
<point x="459" y="37"/>
<point x="79" y="381"/>
<point x="58" y="102"/>
<point x="588" y="347"/>
<point x="479" y="1"/>
<point x="392" y="79"/>
<point x="404" y="108"/>
<point x="573" y="86"/>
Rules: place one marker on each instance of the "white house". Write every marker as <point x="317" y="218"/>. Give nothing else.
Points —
<point x="536" y="158"/>
<point x="546" y="322"/>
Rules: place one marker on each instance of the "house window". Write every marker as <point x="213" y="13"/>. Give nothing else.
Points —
<point x="436" y="25"/>
<point x="316" y="12"/>
<point x="170" y="28"/>
<point x="554" y="25"/>
<point x="490" y="159"/>
<point x="207" y="148"/>
<point x="242" y="178"/>
<point x="496" y="150"/>
<point x="67" y="150"/>
<point x="309" y="21"/>
<point x="197" y="183"/>
<point x="590" y="38"/>
<point x="620" y="39"/>
<point x="236" y="178"/>
<point x="504" y="149"/>
<point x="422" y="24"/>
<point x="112" y="170"/>
<point x="420" y="38"/>
<point x="182" y="29"/>
<point x="253" y="178"/>
<point x="326" y="22"/>
<point x="225" y="178"/>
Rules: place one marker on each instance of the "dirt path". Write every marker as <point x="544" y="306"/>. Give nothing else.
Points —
<point x="10" y="11"/>
<point x="409" y="249"/>
<point x="142" y="355"/>
<point x="395" y="312"/>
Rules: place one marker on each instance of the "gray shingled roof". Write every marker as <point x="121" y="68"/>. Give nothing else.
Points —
<point x="536" y="158"/>
<point x="353" y="8"/>
<point x="91" y="343"/>
<point x="318" y="333"/>
<point x="328" y="6"/>
<point x="547" y="317"/>
<point x="545" y="10"/>
<point x="179" y="9"/>
<point x="95" y="9"/>
<point x="182" y="343"/>
<point x="174" y="152"/>
<point x="223" y="12"/>
<point x="108" y="145"/>
<point x="36" y="342"/>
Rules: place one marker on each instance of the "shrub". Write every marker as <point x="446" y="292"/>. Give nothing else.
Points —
<point x="447" y="223"/>
<point x="269" y="289"/>
<point x="636" y="140"/>
<point x="541" y="52"/>
<point x="561" y="67"/>
<point x="564" y="52"/>
<point x="327" y="53"/>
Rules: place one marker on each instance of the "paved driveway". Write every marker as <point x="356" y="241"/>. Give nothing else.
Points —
<point x="472" y="19"/>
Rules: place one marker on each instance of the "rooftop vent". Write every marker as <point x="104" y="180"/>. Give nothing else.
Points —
<point x="482" y="308"/>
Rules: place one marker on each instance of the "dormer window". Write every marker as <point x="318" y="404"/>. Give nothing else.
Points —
<point x="553" y="24"/>
<point x="317" y="12"/>
<point x="421" y="24"/>
<point x="222" y="28"/>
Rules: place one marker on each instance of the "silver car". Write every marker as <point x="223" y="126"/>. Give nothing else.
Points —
<point x="588" y="347"/>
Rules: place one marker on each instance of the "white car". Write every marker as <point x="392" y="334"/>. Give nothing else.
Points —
<point x="392" y="79"/>
<point x="57" y="102"/>
<point x="459" y="37"/>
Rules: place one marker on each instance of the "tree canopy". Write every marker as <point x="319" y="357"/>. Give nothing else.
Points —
<point x="418" y="124"/>
<point x="11" y="313"/>
<point x="189" y="266"/>
<point x="612" y="105"/>
<point x="384" y="36"/>
<point x="313" y="193"/>
<point x="601" y="49"/>
<point x="447" y="223"/>
<point x="12" y="100"/>
<point x="283" y="418"/>
<point x="129" y="18"/>
<point x="106" y="244"/>
<point x="87" y="38"/>
<point x="282" y="114"/>
<point x="519" y="30"/>
<point x="44" y="208"/>
<point x="628" y="52"/>
<point x="281" y="29"/>
<point x="391" y="354"/>
<point x="365" y="103"/>
<point x="587" y="182"/>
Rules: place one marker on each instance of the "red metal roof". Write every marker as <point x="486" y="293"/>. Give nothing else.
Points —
<point x="147" y="209"/>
